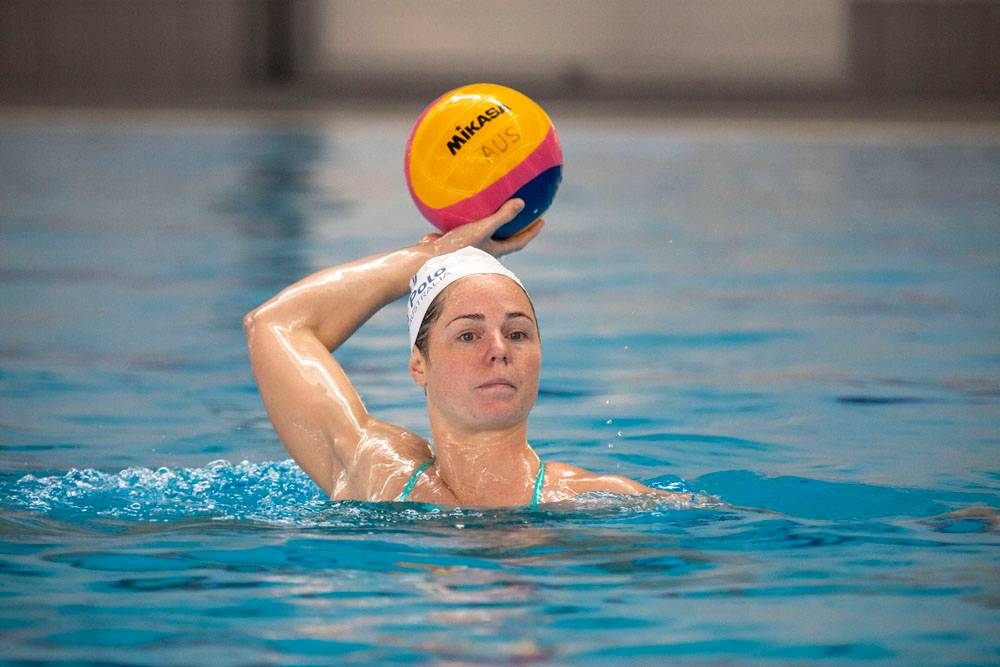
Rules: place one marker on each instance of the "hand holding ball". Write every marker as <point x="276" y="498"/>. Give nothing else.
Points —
<point x="474" y="148"/>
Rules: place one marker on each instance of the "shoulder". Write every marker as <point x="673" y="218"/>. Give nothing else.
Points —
<point x="580" y="480"/>
<point x="563" y="481"/>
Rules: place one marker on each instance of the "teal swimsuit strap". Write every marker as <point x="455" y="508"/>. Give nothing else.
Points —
<point x="536" y="496"/>
<point x="413" y="480"/>
<point x="539" y="483"/>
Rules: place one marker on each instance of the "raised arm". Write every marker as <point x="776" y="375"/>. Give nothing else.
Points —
<point x="315" y="409"/>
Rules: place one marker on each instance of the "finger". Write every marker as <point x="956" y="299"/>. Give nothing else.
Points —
<point x="478" y="233"/>
<point x="519" y="240"/>
<point x="527" y="228"/>
<point x="504" y="214"/>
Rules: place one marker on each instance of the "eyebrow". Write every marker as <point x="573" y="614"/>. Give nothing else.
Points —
<point x="480" y="317"/>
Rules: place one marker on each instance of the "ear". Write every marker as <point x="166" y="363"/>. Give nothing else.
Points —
<point x="418" y="367"/>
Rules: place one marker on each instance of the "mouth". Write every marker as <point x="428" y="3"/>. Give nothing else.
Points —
<point x="497" y="383"/>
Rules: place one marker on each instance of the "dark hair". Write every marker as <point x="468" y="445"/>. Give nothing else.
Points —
<point x="433" y="313"/>
<point x="430" y="317"/>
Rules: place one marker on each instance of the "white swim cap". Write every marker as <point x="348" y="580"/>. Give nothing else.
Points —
<point x="439" y="272"/>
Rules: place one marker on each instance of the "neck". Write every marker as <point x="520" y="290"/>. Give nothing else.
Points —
<point x="493" y="468"/>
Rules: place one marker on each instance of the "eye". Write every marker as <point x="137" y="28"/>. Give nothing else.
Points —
<point x="467" y="336"/>
<point x="519" y="335"/>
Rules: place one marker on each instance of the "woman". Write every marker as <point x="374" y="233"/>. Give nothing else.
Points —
<point x="475" y="351"/>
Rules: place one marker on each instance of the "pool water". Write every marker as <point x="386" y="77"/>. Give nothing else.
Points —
<point x="805" y="327"/>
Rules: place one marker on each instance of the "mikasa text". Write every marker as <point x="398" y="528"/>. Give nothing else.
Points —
<point x="498" y="144"/>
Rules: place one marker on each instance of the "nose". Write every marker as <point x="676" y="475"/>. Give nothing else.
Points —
<point x="498" y="350"/>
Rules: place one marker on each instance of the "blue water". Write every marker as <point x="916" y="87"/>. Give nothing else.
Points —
<point x="807" y="328"/>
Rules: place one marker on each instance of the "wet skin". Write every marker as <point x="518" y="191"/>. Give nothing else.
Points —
<point x="480" y="374"/>
<point x="484" y="356"/>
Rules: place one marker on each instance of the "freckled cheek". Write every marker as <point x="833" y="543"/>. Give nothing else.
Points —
<point x="457" y="365"/>
<point x="532" y="366"/>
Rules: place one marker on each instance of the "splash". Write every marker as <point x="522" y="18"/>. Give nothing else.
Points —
<point x="268" y="492"/>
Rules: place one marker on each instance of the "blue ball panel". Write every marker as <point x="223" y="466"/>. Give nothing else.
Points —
<point x="537" y="194"/>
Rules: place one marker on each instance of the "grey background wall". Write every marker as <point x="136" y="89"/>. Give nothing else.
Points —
<point x="135" y="50"/>
<point x="131" y="44"/>
<point x="590" y="46"/>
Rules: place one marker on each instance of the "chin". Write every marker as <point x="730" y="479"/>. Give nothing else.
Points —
<point x="483" y="415"/>
<point x="499" y="419"/>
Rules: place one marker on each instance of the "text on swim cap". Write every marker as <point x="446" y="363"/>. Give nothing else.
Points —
<point x="465" y="133"/>
<point x="418" y="291"/>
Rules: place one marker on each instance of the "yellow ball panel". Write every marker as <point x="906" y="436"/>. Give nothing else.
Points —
<point x="469" y="139"/>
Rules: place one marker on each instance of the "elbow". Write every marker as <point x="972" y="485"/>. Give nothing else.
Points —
<point x="250" y="322"/>
<point x="258" y="321"/>
<point x="262" y="322"/>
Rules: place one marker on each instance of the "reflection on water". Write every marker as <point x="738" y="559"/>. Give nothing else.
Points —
<point x="601" y="578"/>
<point x="279" y="195"/>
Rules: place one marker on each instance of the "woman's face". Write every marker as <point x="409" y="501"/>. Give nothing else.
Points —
<point x="483" y="355"/>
